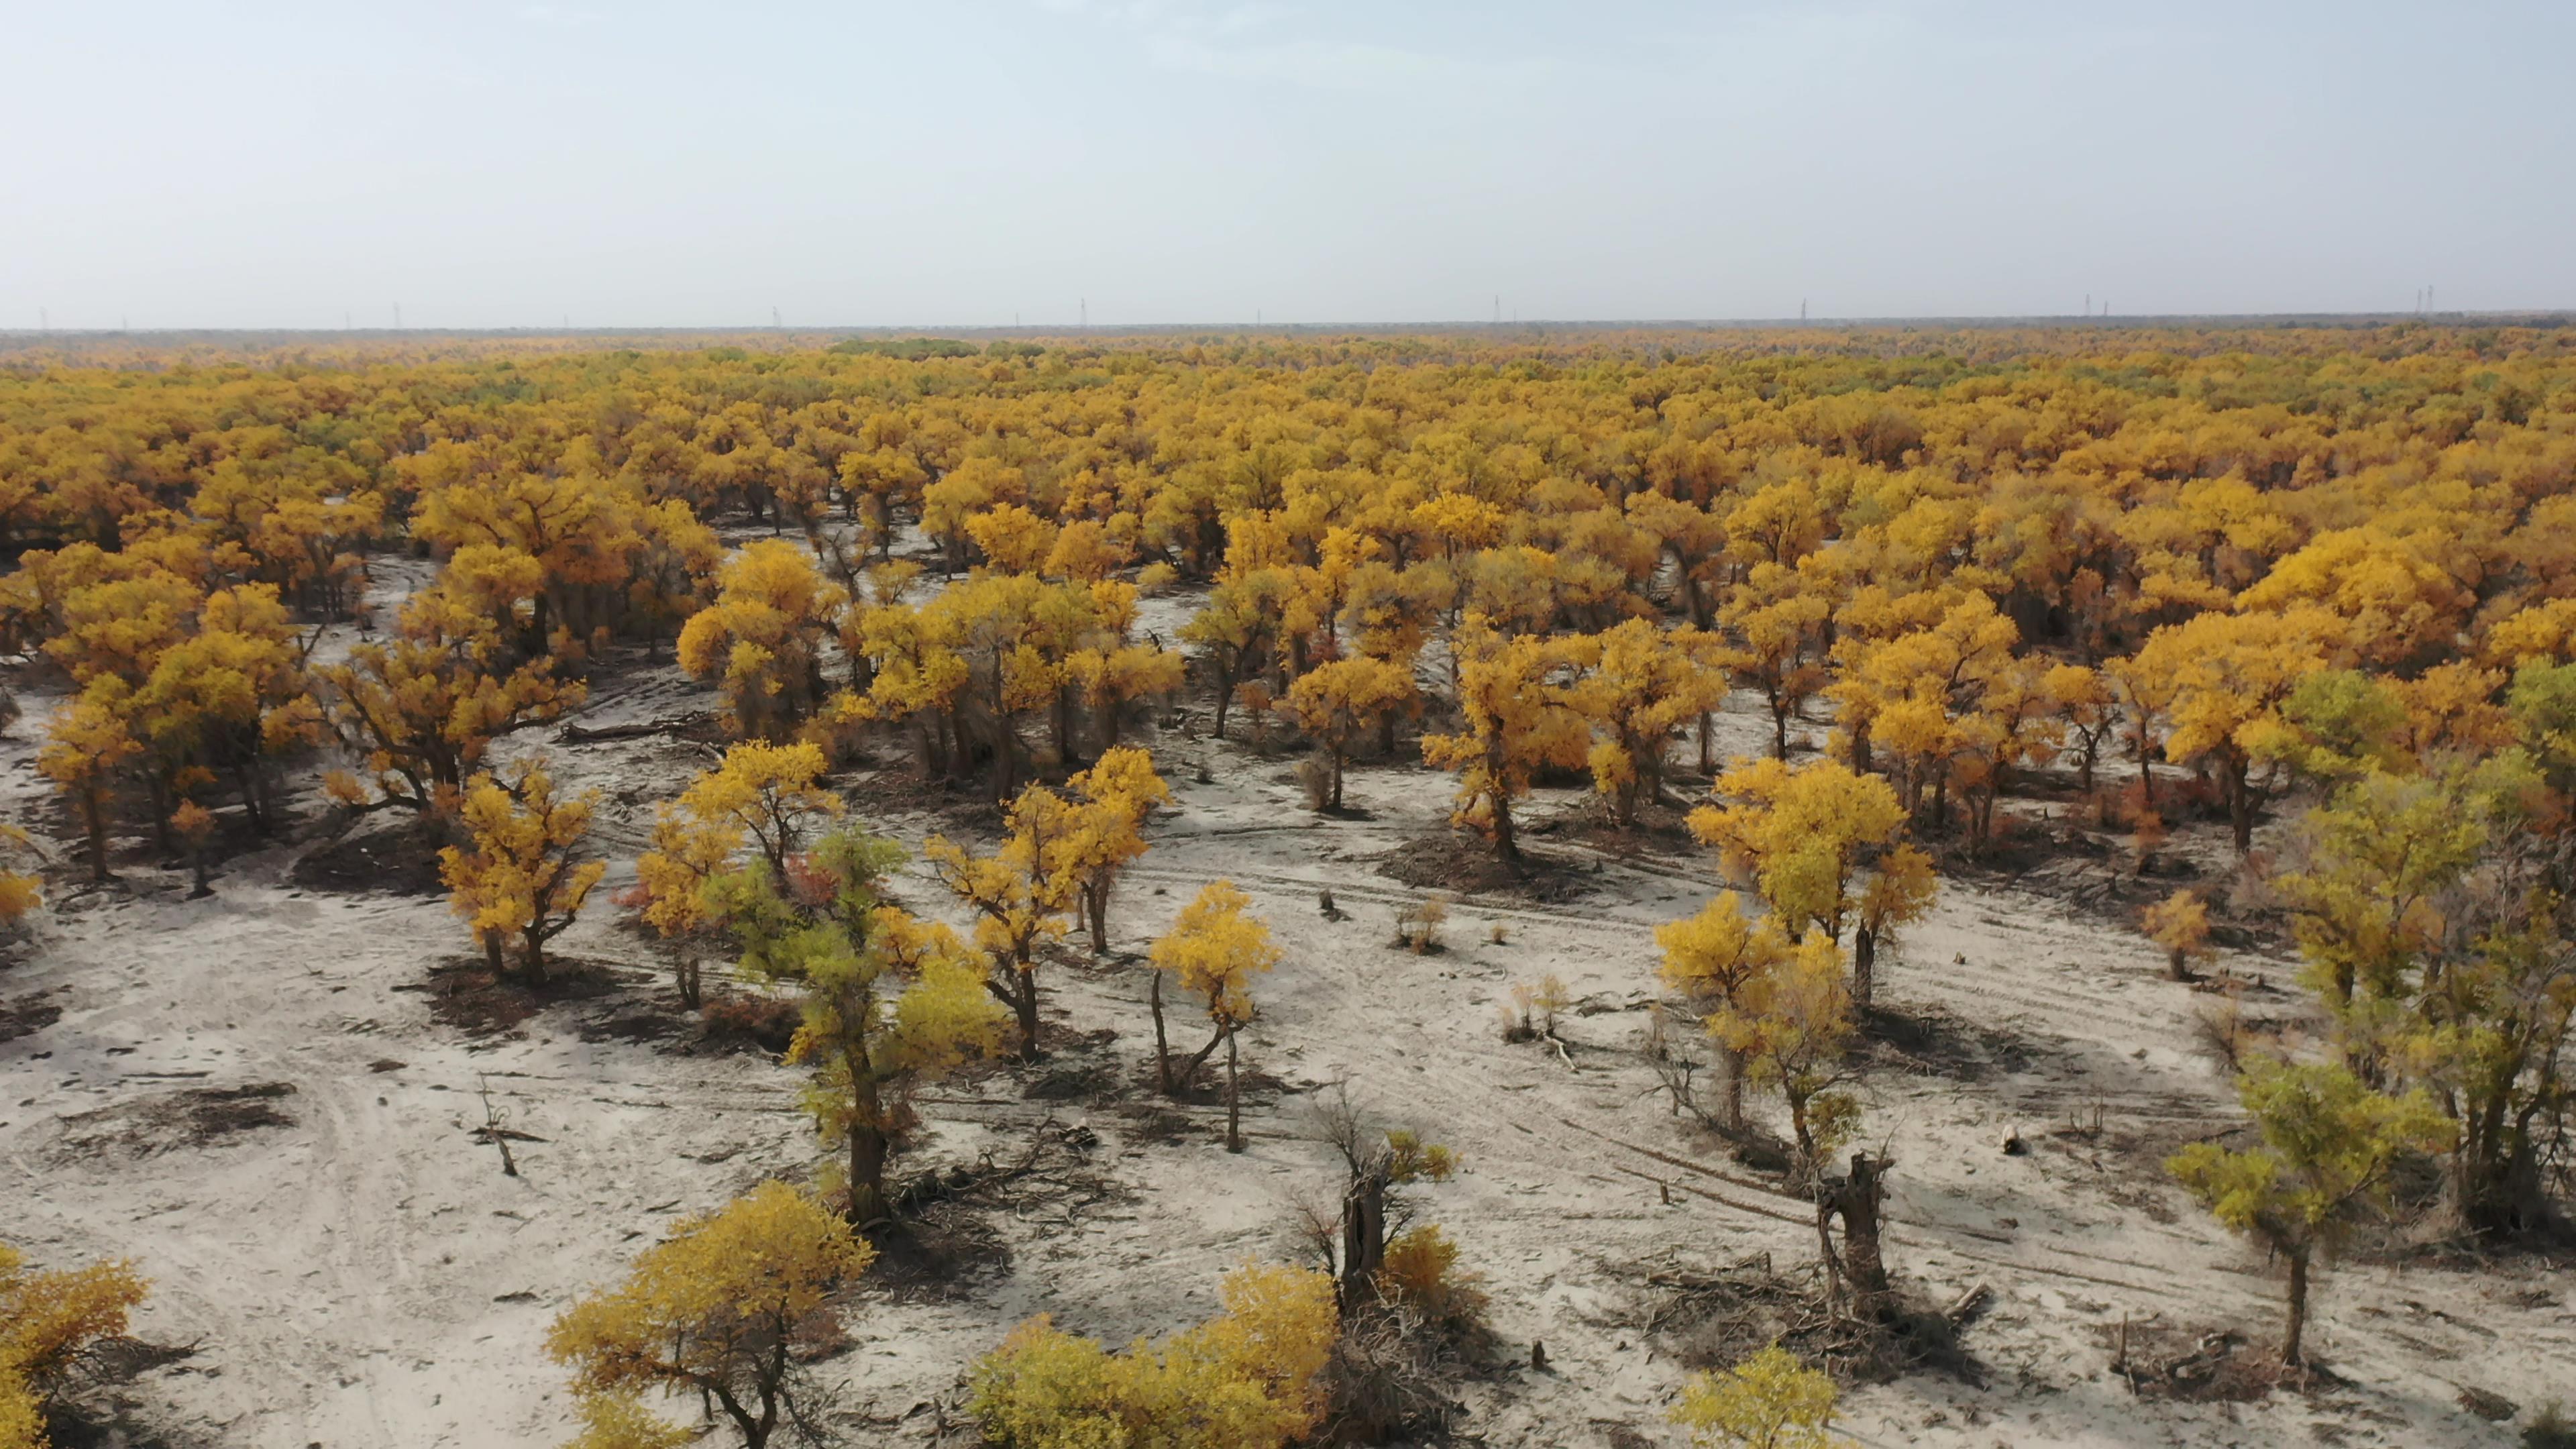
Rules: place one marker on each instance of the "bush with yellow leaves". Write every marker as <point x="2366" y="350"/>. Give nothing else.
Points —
<point x="47" y="1322"/>
<point x="1246" y="1379"/>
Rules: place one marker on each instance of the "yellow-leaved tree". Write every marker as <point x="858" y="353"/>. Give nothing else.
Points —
<point x="1789" y="1026"/>
<point x="2228" y="676"/>
<point x="1021" y="896"/>
<point x="1645" y="683"/>
<point x="722" y="1309"/>
<point x="1118" y="792"/>
<point x="420" y="712"/>
<point x="1717" y="958"/>
<point x="1214" y="949"/>
<point x="1521" y="712"/>
<point x="1338" y="703"/>
<point x="761" y="795"/>
<point x="516" y="876"/>
<point x="890" y="1002"/>
<point x="762" y="637"/>
<point x="1825" y="847"/>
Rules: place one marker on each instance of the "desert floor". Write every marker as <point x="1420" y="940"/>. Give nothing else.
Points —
<point x="269" y="1100"/>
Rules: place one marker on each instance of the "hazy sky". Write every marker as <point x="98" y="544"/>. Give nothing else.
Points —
<point x="203" y="164"/>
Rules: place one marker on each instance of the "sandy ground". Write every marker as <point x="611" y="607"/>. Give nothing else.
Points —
<point x="353" y="1269"/>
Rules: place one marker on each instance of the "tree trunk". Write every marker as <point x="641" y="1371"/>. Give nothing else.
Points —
<point x="867" y="1151"/>
<point x="1024" y="1002"/>
<point x="492" y="955"/>
<point x="1731" y="1063"/>
<point x="1363" y="1237"/>
<point x="534" y="958"/>
<point x="94" y="816"/>
<point x="1864" y="967"/>
<point x="1506" y="845"/>
<point x="2298" y="1309"/>
<point x="1162" y="1045"/>
<point x="1856" y="1199"/>
<point x="1095" y="900"/>
<point x="1337" y="779"/>
<point x="1233" y="1097"/>
<point x="2240" y="804"/>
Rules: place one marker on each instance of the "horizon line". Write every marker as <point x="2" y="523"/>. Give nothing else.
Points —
<point x="848" y="329"/>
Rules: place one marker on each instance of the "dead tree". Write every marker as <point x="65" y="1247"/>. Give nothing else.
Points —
<point x="1858" y="1266"/>
<point x="1351" y="1237"/>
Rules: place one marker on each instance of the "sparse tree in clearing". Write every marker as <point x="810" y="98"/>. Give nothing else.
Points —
<point x="890" y="1001"/>
<point x="1237" y="630"/>
<point x="1023" y="897"/>
<point x="1339" y="703"/>
<point x="517" y="876"/>
<point x="1824" y="846"/>
<point x="1790" y="1027"/>
<point x="2180" y="924"/>
<point x="49" y="1323"/>
<point x="1249" y="1378"/>
<point x="1214" y="949"/>
<point x="1517" y="696"/>
<point x="1718" y="958"/>
<point x="2328" y="1145"/>
<point x="1119" y="791"/>
<point x="1769" y="1401"/>
<point x="722" y="1308"/>
<point x="1778" y="613"/>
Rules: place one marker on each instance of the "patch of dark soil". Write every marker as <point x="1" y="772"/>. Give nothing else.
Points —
<point x="737" y="1021"/>
<point x="1458" y="862"/>
<point x="196" y="1117"/>
<point x="942" y="1239"/>
<point x="26" y="1016"/>
<point x="2197" y="1365"/>
<point x="1079" y="1067"/>
<point x="105" y="1416"/>
<point x="644" y="1024"/>
<point x="463" y="992"/>
<point x="401" y="860"/>
<point x="1660" y="831"/>
<point x="1931" y="1042"/>
<point x="1712" y="1318"/>
<point x="212" y="1112"/>
<point x="962" y="808"/>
